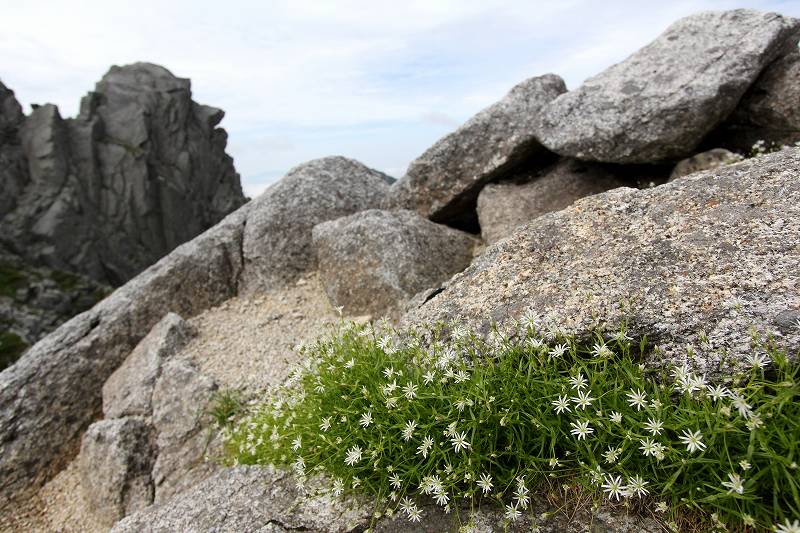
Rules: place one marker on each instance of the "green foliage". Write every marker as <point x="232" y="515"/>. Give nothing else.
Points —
<point x="225" y="405"/>
<point x="65" y="281"/>
<point x="11" y="347"/>
<point x="11" y="279"/>
<point x="404" y="417"/>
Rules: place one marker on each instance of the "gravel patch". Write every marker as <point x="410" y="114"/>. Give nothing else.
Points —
<point x="248" y="343"/>
<point x="59" y="507"/>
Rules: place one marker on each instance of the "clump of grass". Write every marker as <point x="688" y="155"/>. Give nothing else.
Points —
<point x="494" y="419"/>
<point x="12" y="346"/>
<point x="11" y="279"/>
<point x="224" y="406"/>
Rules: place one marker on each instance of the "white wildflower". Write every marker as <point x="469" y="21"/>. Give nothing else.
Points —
<point x="512" y="513"/>
<point x="717" y="393"/>
<point x="636" y="487"/>
<point x="755" y="422"/>
<point x="612" y="455"/>
<point x="637" y="398"/>
<point x="395" y="481"/>
<point x="424" y="448"/>
<point x="485" y="483"/>
<point x="428" y="377"/>
<point x="459" y="442"/>
<point x="583" y="399"/>
<point x="693" y="441"/>
<point x="408" y="430"/>
<point x="389" y="388"/>
<point x="353" y="455"/>
<point x="338" y="487"/>
<point x="601" y="350"/>
<point x="788" y="527"/>
<point x="759" y="360"/>
<point x="561" y="405"/>
<point x="653" y="426"/>
<point x="740" y="404"/>
<point x="558" y="351"/>
<point x="736" y="484"/>
<point x="613" y="487"/>
<point x="578" y="382"/>
<point x="410" y="390"/>
<point x="581" y="429"/>
<point x="649" y="447"/>
<point x="414" y="515"/>
<point x="616" y="417"/>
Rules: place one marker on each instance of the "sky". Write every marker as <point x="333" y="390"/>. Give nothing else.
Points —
<point x="376" y="81"/>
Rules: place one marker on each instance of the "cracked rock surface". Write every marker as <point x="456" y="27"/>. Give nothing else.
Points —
<point x="139" y="171"/>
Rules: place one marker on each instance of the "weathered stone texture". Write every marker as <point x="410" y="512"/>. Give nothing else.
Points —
<point x="713" y="253"/>
<point x="443" y="183"/>
<point x="664" y="99"/>
<point x="374" y="261"/>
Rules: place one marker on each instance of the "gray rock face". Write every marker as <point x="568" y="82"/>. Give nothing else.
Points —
<point x="115" y="462"/>
<point x="166" y="397"/>
<point x="708" y="160"/>
<point x="53" y="392"/>
<point x="277" y="239"/>
<point x="13" y="168"/>
<point x="180" y="398"/>
<point x="504" y="206"/>
<point x="660" y="102"/>
<point x="259" y="500"/>
<point x="253" y="499"/>
<point x="770" y="110"/>
<point x="712" y="253"/>
<point x="129" y="390"/>
<point x="142" y="169"/>
<point x="374" y="261"/>
<point x="444" y="182"/>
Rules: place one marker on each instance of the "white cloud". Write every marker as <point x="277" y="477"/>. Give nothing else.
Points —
<point x="379" y="81"/>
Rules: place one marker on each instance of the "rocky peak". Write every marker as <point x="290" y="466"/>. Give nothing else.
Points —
<point x="10" y="111"/>
<point x="141" y="170"/>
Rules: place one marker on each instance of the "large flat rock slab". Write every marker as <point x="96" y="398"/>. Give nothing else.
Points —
<point x="713" y="254"/>
<point x="660" y="102"/>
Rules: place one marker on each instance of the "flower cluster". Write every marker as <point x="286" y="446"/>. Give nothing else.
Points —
<point x="445" y="414"/>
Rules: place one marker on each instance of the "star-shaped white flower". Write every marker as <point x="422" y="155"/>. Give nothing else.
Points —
<point x="736" y="484"/>
<point x="693" y="440"/>
<point x="561" y="404"/>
